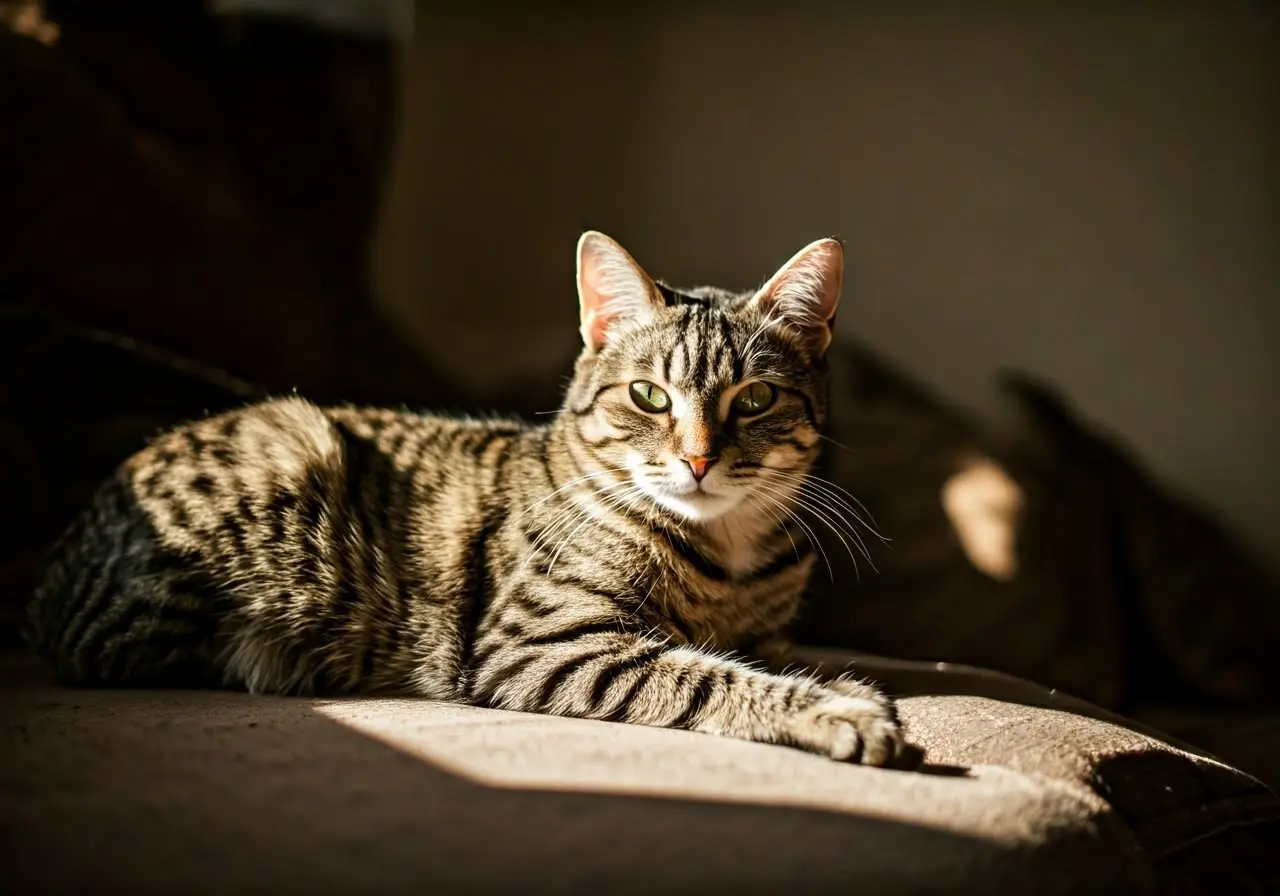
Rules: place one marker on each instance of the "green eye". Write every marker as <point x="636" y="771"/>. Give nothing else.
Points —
<point x="649" y="397"/>
<point x="755" y="399"/>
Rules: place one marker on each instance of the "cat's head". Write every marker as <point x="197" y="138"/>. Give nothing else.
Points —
<point x="703" y="400"/>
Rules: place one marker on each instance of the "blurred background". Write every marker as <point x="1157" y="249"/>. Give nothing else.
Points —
<point x="1088" y="191"/>
<point x="379" y="202"/>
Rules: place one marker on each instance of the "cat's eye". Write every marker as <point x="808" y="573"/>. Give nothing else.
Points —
<point x="649" y="397"/>
<point x="754" y="399"/>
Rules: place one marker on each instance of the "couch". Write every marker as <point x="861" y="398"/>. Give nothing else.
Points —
<point x="1023" y="791"/>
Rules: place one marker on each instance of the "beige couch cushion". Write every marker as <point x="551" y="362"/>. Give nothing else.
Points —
<point x="220" y="792"/>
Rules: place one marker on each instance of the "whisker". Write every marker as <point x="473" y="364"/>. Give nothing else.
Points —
<point x="827" y="483"/>
<point x="835" y="504"/>
<point x="832" y="491"/>
<point x="842" y="445"/>
<point x="777" y="519"/>
<point x="809" y="533"/>
<point x="572" y="482"/>
<point x="832" y="521"/>
<point x="611" y="502"/>
<point x="818" y="501"/>
<point x="566" y="517"/>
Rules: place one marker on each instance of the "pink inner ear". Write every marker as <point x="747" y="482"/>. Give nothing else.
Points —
<point x="592" y="298"/>
<point x="594" y="327"/>
<point x="611" y="288"/>
<point x="596" y="316"/>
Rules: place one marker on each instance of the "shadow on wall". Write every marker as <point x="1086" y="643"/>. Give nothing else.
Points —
<point x="1089" y="194"/>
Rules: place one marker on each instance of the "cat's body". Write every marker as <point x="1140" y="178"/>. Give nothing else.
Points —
<point x="612" y="564"/>
<point x="325" y="532"/>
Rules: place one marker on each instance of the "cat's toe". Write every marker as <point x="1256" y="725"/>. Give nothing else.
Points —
<point x="850" y="729"/>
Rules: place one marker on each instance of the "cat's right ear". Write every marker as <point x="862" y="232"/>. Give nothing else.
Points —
<point x="613" y="290"/>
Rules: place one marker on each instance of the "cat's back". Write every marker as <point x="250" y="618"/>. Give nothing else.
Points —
<point x="310" y="525"/>
<point x="288" y="445"/>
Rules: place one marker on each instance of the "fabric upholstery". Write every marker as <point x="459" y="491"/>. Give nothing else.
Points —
<point x="220" y="792"/>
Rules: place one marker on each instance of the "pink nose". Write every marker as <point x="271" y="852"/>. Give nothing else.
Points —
<point x="699" y="464"/>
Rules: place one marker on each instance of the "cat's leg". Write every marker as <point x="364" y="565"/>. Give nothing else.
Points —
<point x="778" y="655"/>
<point x="590" y="668"/>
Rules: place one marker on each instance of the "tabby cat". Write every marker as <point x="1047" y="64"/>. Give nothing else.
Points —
<point x="634" y="560"/>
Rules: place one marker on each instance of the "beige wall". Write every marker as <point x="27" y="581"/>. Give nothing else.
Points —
<point x="1092" y="195"/>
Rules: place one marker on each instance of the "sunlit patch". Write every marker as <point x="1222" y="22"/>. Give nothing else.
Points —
<point x="26" y="17"/>
<point x="984" y="504"/>
<point x="528" y="752"/>
<point x="679" y="407"/>
<point x="596" y="429"/>
<point x="777" y="457"/>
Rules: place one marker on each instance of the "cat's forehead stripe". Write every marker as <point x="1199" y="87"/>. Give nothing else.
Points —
<point x="707" y="351"/>
<point x="675" y="362"/>
<point x="699" y="351"/>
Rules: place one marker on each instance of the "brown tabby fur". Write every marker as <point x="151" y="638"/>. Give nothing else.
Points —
<point x="577" y="568"/>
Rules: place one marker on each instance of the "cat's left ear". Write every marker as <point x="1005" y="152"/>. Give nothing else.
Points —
<point x="613" y="290"/>
<point x="805" y="293"/>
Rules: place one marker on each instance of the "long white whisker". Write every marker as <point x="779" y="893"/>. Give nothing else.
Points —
<point x="809" y="533"/>
<point x="838" y="508"/>
<point x="777" y="519"/>
<point x="840" y="445"/>
<point x="572" y="482"/>
<point x="834" y="492"/>
<point x="818" y="501"/>
<point x="826" y="519"/>
<point x="610" y="502"/>
<point x="565" y="517"/>
<point x="828" y="485"/>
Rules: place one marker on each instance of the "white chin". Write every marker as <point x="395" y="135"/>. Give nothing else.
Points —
<point x="696" y="507"/>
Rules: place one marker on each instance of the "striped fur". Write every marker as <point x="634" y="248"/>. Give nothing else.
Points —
<point x="575" y="568"/>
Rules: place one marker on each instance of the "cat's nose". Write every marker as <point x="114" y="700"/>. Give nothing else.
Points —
<point x="699" y="464"/>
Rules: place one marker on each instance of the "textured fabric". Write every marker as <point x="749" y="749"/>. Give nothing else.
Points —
<point x="221" y="792"/>
<point x="1203" y="824"/>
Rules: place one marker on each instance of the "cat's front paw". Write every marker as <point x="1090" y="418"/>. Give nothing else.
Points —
<point x="850" y="723"/>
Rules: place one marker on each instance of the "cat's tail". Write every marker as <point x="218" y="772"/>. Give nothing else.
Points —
<point x="69" y="583"/>
<point x="105" y="611"/>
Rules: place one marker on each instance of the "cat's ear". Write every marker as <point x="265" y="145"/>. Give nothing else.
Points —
<point x="612" y="289"/>
<point x="805" y="293"/>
